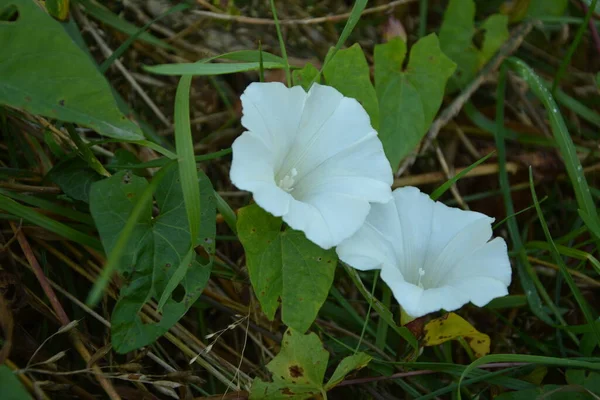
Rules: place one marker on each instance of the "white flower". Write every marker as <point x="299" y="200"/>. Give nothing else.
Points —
<point x="431" y="256"/>
<point x="312" y="158"/>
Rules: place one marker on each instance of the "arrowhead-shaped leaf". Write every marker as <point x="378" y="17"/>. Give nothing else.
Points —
<point x="409" y="99"/>
<point x="285" y="265"/>
<point x="456" y="39"/>
<point x="156" y="247"/>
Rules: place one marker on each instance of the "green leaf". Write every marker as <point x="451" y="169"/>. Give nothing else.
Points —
<point x="347" y="365"/>
<point x="70" y="90"/>
<point x="299" y="368"/>
<point x="155" y="247"/>
<point x="349" y="73"/>
<point x="456" y="39"/>
<point x="75" y="178"/>
<point x="410" y="99"/>
<point x="306" y="76"/>
<point x="285" y="265"/>
<point x="12" y="389"/>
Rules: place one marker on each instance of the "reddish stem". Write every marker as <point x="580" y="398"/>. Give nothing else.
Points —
<point x="39" y="274"/>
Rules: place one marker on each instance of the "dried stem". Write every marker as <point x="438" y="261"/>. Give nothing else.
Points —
<point x="74" y="334"/>
<point x="304" y="21"/>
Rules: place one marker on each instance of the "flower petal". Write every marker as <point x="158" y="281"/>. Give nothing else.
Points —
<point x="417" y="301"/>
<point x="252" y="162"/>
<point x="330" y="124"/>
<point x="252" y="170"/>
<point x="327" y="218"/>
<point x="447" y="298"/>
<point x="481" y="290"/>
<point x="431" y="256"/>
<point x="415" y="213"/>
<point x="313" y="159"/>
<point x="372" y="246"/>
<point x="273" y="111"/>
<point x="461" y="247"/>
<point x="361" y="171"/>
<point x="485" y="274"/>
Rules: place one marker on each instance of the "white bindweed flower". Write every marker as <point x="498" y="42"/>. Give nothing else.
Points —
<point x="311" y="158"/>
<point x="431" y="256"/>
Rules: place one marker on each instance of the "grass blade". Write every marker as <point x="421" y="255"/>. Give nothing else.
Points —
<point x="529" y="280"/>
<point x="203" y="69"/>
<point x="561" y="264"/>
<point x="227" y="213"/>
<point x="559" y="362"/>
<point x="51" y="207"/>
<point x="288" y="75"/>
<point x="188" y="176"/>
<point x="562" y="137"/>
<point x="437" y="193"/>
<point x="185" y="156"/>
<point x="357" y="9"/>
<point x="160" y="162"/>
<point x="28" y="214"/>
<point x="380" y="308"/>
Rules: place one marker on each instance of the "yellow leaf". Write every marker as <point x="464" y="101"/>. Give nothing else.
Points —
<point x="453" y="327"/>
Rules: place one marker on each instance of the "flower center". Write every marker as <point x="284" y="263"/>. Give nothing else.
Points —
<point x="287" y="183"/>
<point x="421" y="274"/>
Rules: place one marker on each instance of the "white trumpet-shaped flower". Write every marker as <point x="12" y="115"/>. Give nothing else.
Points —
<point x="431" y="256"/>
<point x="311" y="158"/>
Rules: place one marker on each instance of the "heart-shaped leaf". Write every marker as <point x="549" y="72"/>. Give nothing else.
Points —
<point x="286" y="265"/>
<point x="157" y="245"/>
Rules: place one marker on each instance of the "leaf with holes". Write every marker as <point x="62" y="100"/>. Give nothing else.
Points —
<point x="456" y="39"/>
<point x="409" y="99"/>
<point x="44" y="72"/>
<point x="349" y="73"/>
<point x="286" y="265"/>
<point x="299" y="368"/>
<point x="156" y="247"/>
